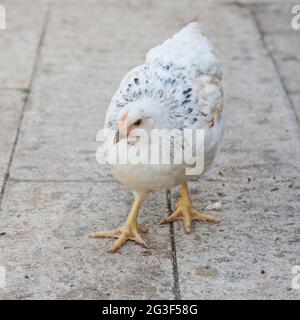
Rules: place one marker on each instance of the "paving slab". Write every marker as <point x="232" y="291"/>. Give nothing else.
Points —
<point x="53" y="201"/>
<point x="284" y="44"/>
<point x="48" y="254"/>
<point x="250" y="254"/>
<point x="11" y="103"/>
<point x="19" y="42"/>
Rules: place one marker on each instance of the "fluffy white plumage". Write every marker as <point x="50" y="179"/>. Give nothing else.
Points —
<point x="189" y="49"/>
<point x="179" y="86"/>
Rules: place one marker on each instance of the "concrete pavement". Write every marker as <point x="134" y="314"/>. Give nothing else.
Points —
<point x="60" y="63"/>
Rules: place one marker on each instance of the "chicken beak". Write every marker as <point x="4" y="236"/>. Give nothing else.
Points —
<point x="122" y="131"/>
<point x="119" y="136"/>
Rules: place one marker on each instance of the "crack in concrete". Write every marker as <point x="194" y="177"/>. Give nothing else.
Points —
<point x="61" y="181"/>
<point x="11" y="157"/>
<point x="12" y="89"/>
<point x="176" y="286"/>
<point x="276" y="67"/>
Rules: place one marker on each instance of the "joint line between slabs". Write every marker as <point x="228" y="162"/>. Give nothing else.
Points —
<point x="176" y="286"/>
<point x="62" y="181"/>
<point x="265" y="45"/>
<point x="11" y="157"/>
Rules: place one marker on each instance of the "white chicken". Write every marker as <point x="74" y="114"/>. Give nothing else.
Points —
<point x="178" y="87"/>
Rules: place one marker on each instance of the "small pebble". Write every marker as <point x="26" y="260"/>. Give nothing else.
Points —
<point x="146" y="253"/>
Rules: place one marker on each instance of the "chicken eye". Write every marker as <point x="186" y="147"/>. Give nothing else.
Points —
<point x="138" y="122"/>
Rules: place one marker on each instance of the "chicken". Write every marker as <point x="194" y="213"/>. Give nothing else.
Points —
<point x="178" y="87"/>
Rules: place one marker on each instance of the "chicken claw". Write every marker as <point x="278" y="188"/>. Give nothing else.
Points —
<point x="184" y="211"/>
<point x="123" y="234"/>
<point x="188" y="214"/>
<point x="129" y="231"/>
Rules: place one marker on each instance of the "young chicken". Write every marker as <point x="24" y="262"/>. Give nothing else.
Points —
<point x="178" y="87"/>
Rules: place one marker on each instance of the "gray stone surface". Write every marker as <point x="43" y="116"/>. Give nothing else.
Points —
<point x="48" y="254"/>
<point x="11" y="104"/>
<point x="57" y="194"/>
<point x="19" y="41"/>
<point x="283" y="43"/>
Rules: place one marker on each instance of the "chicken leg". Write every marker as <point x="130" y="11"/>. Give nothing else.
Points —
<point x="129" y="230"/>
<point x="185" y="211"/>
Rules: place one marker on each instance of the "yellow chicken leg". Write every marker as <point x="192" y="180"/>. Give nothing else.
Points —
<point x="129" y="231"/>
<point x="185" y="211"/>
